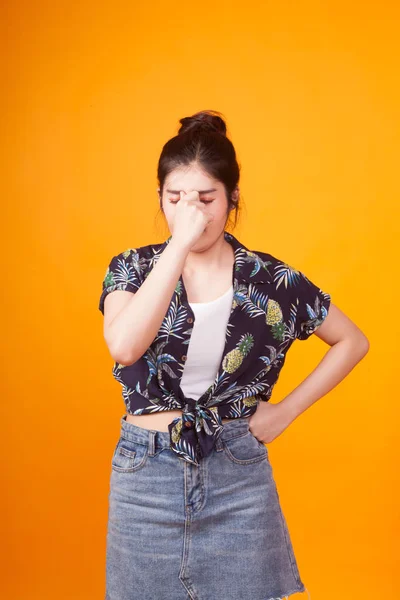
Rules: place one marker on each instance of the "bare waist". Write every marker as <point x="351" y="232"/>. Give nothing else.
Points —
<point x="160" y="420"/>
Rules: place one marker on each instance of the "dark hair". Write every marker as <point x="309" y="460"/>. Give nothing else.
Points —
<point x="202" y="139"/>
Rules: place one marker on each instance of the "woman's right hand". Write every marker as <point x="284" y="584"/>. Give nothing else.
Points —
<point x="191" y="218"/>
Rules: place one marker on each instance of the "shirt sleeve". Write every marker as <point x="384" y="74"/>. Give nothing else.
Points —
<point x="312" y="305"/>
<point x="123" y="273"/>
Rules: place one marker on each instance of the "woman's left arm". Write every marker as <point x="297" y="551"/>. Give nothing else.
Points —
<point x="348" y="346"/>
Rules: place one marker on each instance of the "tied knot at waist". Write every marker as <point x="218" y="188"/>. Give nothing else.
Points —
<point x="193" y="435"/>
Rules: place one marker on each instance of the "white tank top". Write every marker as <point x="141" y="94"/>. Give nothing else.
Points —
<point x="207" y="344"/>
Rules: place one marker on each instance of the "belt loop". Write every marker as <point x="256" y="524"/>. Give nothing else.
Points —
<point x="218" y="444"/>
<point x="152" y="442"/>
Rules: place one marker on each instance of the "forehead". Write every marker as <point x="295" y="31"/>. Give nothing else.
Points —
<point x="190" y="178"/>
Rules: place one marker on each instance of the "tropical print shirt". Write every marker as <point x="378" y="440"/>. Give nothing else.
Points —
<point x="273" y="305"/>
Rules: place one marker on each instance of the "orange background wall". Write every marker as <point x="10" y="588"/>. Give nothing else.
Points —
<point x="91" y="92"/>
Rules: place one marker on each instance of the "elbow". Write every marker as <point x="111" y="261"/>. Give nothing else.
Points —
<point x="363" y="341"/>
<point x="121" y="355"/>
<point x="356" y="344"/>
<point x="365" y="345"/>
<point x="361" y="345"/>
<point x="123" y="360"/>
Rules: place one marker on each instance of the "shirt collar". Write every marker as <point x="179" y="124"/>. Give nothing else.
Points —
<point x="249" y="266"/>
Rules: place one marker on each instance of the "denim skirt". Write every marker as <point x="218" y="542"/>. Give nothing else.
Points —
<point x="177" y="531"/>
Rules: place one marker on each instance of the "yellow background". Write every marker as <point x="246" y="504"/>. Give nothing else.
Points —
<point x="91" y="92"/>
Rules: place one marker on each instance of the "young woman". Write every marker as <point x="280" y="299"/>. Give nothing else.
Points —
<point x="199" y="327"/>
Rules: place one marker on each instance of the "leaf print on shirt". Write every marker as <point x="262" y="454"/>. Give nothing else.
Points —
<point x="255" y="303"/>
<point x="235" y="392"/>
<point x="173" y="322"/>
<point x="286" y="275"/>
<point x="316" y="314"/>
<point x="127" y="390"/>
<point x="252" y="301"/>
<point x="310" y="304"/>
<point x="123" y="273"/>
<point x="258" y="262"/>
<point x="157" y="362"/>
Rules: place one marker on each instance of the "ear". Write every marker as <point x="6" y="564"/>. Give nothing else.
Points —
<point x="234" y="198"/>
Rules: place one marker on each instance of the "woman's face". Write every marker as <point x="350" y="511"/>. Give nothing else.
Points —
<point x="211" y="193"/>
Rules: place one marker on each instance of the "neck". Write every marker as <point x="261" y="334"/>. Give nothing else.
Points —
<point x="211" y="259"/>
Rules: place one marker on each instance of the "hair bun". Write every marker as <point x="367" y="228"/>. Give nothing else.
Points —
<point x="203" y="121"/>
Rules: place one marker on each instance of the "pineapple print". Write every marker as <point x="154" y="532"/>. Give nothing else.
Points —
<point x="278" y="330"/>
<point x="274" y="312"/>
<point x="250" y="401"/>
<point x="176" y="432"/>
<point x="274" y="318"/>
<point x="234" y="358"/>
<point x="108" y="278"/>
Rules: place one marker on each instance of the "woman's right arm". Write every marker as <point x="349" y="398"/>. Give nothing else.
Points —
<point x="132" y="320"/>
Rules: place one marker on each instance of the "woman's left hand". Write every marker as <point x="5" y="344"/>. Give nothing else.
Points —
<point x="269" y="421"/>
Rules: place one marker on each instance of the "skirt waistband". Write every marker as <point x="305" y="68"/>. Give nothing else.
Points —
<point x="142" y="435"/>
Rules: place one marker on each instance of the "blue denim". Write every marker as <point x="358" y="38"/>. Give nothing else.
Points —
<point x="177" y="531"/>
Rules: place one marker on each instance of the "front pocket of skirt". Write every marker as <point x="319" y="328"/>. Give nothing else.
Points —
<point x="245" y="449"/>
<point x="129" y="456"/>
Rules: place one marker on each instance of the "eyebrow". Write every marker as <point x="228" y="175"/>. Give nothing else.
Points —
<point x="200" y="191"/>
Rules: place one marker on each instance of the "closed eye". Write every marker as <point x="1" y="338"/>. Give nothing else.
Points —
<point x="204" y="201"/>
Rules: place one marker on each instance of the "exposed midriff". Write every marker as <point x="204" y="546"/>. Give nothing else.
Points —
<point x="158" y="421"/>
